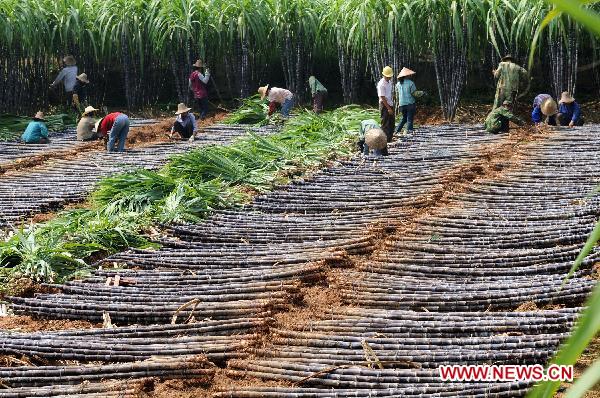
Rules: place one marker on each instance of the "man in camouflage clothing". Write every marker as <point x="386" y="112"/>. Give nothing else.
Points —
<point x="509" y="76"/>
<point x="498" y="119"/>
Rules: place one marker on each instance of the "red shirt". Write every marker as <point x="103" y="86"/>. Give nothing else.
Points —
<point x="107" y="123"/>
<point x="198" y="86"/>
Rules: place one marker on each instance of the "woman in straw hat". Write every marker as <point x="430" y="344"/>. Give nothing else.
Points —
<point x="80" y="92"/>
<point x="569" y="111"/>
<point x="67" y="75"/>
<point x="185" y="123"/>
<point x="277" y="97"/>
<point x="372" y="138"/>
<point x="85" y="127"/>
<point x="36" y="131"/>
<point x="386" y="102"/>
<point x="405" y="88"/>
<point x="198" y="82"/>
<point x="115" y="125"/>
<point x="544" y="110"/>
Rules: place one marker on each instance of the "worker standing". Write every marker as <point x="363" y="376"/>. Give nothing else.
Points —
<point x="319" y="94"/>
<point x="116" y="126"/>
<point x="36" y="131"/>
<point x="68" y="76"/>
<point x="544" y="110"/>
<point x="185" y="123"/>
<point x="509" y="75"/>
<point x="198" y="82"/>
<point x="85" y="127"/>
<point x="80" y="92"/>
<point x="386" y="102"/>
<point x="405" y="88"/>
<point x="569" y="111"/>
<point x="498" y="119"/>
<point x="277" y="97"/>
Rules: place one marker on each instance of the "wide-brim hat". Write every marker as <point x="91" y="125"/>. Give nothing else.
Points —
<point x="387" y="71"/>
<point x="198" y="63"/>
<point x="263" y="91"/>
<point x="549" y="107"/>
<point x="83" y="78"/>
<point x="88" y="110"/>
<point x="376" y="139"/>
<point x="406" y="72"/>
<point x="69" y="60"/>
<point x="566" y="98"/>
<point x="182" y="108"/>
<point x="39" y="115"/>
<point x="508" y="57"/>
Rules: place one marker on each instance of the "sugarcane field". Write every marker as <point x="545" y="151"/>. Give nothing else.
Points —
<point x="300" y="198"/>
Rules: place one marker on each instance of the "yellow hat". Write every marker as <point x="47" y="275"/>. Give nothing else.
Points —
<point x="182" y="108"/>
<point x="549" y="107"/>
<point x="566" y="98"/>
<point x="405" y="72"/>
<point x="88" y="110"/>
<point x="387" y="71"/>
<point x="263" y="91"/>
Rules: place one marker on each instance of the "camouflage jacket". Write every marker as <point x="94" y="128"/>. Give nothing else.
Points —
<point x="493" y="122"/>
<point x="509" y="76"/>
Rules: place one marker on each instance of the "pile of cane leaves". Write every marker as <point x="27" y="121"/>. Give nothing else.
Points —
<point x="252" y="111"/>
<point x="125" y="207"/>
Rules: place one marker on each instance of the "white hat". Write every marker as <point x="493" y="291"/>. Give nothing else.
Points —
<point x="182" y="108"/>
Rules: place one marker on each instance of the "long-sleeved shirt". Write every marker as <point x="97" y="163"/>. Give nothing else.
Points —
<point x="405" y="92"/>
<point x="509" y="76"/>
<point x="198" y="83"/>
<point x="315" y="86"/>
<point x="107" y="123"/>
<point x="493" y="122"/>
<point x="570" y="111"/>
<point x="85" y="128"/>
<point x="365" y="126"/>
<point x="68" y="75"/>
<point x="536" y="114"/>
<point x="35" y="130"/>
<point x="384" y="89"/>
<point x="279" y="95"/>
<point x="186" y="121"/>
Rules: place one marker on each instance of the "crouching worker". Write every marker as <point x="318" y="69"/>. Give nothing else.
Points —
<point x="116" y="126"/>
<point x="85" y="127"/>
<point x="498" y="119"/>
<point x="185" y="123"/>
<point x="277" y="97"/>
<point x="372" y="138"/>
<point x="36" y="131"/>
<point x="569" y="112"/>
<point x="544" y="110"/>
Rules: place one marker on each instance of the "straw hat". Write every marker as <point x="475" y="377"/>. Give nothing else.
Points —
<point x="88" y="110"/>
<point x="198" y="64"/>
<point x="263" y="91"/>
<point x="507" y="57"/>
<point x="405" y="72"/>
<point x="39" y="115"/>
<point x="69" y="60"/>
<point x="387" y="71"/>
<point x="375" y="139"/>
<point x="549" y="107"/>
<point x="83" y="78"/>
<point x="566" y="98"/>
<point x="182" y="108"/>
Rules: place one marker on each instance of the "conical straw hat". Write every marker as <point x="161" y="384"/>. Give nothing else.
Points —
<point x="405" y="72"/>
<point x="376" y="139"/>
<point x="182" y="108"/>
<point x="566" y="98"/>
<point x="549" y="107"/>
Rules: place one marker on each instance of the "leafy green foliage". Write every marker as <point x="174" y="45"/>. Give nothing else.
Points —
<point x="252" y="110"/>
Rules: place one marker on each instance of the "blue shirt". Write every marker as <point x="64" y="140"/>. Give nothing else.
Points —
<point x="34" y="131"/>
<point x="405" y="92"/>
<point x="570" y="111"/>
<point x="189" y="119"/>
<point x="536" y="115"/>
<point x="68" y="75"/>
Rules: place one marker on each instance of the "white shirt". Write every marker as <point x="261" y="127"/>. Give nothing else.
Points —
<point x="279" y="95"/>
<point x="385" y="89"/>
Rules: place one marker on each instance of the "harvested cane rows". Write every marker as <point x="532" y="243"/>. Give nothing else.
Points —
<point x="421" y="257"/>
<point x="72" y="179"/>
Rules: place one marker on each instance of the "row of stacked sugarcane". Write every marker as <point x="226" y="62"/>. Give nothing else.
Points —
<point x="442" y="292"/>
<point x="72" y="179"/>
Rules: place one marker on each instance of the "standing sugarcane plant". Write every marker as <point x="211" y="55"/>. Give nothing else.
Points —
<point x="563" y="43"/>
